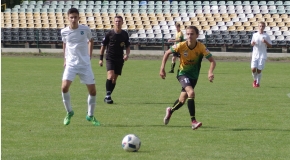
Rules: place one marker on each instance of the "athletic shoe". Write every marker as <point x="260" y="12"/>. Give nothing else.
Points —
<point x="67" y="118"/>
<point x="171" y="71"/>
<point x="257" y="85"/>
<point x="108" y="100"/>
<point x="196" y="124"/>
<point x="254" y="83"/>
<point x="167" y="116"/>
<point x="93" y="120"/>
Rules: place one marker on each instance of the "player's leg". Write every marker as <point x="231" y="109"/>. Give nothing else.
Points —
<point x="191" y="103"/>
<point x="254" y="66"/>
<point x="177" y="104"/>
<point x="173" y="60"/>
<point x="92" y="104"/>
<point x="67" y="78"/>
<point x="261" y="65"/>
<point x="117" y="72"/>
<point x="87" y="77"/>
<point x="109" y="82"/>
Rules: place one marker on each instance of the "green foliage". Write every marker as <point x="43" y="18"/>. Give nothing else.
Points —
<point x="239" y="122"/>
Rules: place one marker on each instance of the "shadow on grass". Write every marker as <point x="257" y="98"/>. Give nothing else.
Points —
<point x="204" y="128"/>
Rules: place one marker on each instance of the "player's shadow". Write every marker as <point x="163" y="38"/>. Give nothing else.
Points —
<point x="203" y="128"/>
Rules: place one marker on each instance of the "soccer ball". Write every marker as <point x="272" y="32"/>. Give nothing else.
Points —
<point x="131" y="143"/>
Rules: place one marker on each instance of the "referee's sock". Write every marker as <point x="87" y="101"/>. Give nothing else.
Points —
<point x="191" y="108"/>
<point x="109" y="87"/>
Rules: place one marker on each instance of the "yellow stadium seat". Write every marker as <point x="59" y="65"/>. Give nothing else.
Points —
<point x="278" y="20"/>
<point x="212" y="23"/>
<point x="216" y="15"/>
<point x="275" y="15"/>
<point x="206" y="28"/>
<point x="238" y="23"/>
<point x="207" y="15"/>
<point x="227" y="19"/>
<point x="240" y="28"/>
<point x="267" y="16"/>
<point x="246" y="24"/>
<point x="209" y="19"/>
<point x="140" y="27"/>
<point x="272" y="24"/>
<point x="255" y="24"/>
<point x="283" y="16"/>
<point x="249" y="28"/>
<point x="280" y="24"/>
<point x="258" y="15"/>
<point x="252" y="19"/>
<point x="269" y="20"/>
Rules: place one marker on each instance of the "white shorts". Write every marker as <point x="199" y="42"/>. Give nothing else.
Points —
<point x="258" y="63"/>
<point x="85" y="73"/>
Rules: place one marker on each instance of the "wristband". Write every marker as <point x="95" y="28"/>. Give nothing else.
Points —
<point x="101" y="57"/>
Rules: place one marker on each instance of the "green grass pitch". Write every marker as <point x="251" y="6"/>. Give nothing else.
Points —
<point x="239" y="122"/>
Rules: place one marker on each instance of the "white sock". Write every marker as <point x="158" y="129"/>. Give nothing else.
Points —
<point x="259" y="78"/>
<point x="254" y="75"/>
<point x="91" y="105"/>
<point x="66" y="101"/>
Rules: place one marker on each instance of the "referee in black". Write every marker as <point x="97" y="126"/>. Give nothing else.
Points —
<point x="114" y="42"/>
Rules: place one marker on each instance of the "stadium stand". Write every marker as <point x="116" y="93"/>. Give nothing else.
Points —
<point x="222" y="23"/>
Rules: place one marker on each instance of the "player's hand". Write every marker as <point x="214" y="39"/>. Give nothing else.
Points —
<point x="253" y="43"/>
<point x="162" y="73"/>
<point x="263" y="40"/>
<point x="101" y="63"/>
<point x="64" y="64"/>
<point x="169" y="40"/>
<point x="210" y="77"/>
<point x="126" y="57"/>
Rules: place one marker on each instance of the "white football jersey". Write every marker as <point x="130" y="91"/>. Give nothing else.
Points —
<point x="77" y="50"/>
<point x="260" y="48"/>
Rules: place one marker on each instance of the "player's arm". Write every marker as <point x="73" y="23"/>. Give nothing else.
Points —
<point x="63" y="49"/>
<point x="103" y="48"/>
<point x="126" y="56"/>
<point x="104" y="44"/>
<point x="211" y="68"/>
<point x="127" y="44"/>
<point x="253" y="43"/>
<point x="91" y="46"/>
<point x="164" y="60"/>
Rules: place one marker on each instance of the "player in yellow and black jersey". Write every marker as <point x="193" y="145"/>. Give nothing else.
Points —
<point x="191" y="54"/>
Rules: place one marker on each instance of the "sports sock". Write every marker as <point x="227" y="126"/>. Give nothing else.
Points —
<point x="109" y="87"/>
<point x="176" y="105"/>
<point x="254" y="75"/>
<point x="172" y="66"/>
<point x="66" y="101"/>
<point x="191" y="108"/>
<point x="259" y="76"/>
<point x="113" y="87"/>
<point x="91" y="105"/>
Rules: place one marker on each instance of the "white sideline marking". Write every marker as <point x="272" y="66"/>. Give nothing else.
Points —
<point x="288" y="95"/>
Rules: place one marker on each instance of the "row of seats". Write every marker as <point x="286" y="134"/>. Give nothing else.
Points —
<point x="135" y="38"/>
<point x="238" y="3"/>
<point x="246" y="7"/>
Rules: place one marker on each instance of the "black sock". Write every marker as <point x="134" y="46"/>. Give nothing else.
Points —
<point x="172" y="66"/>
<point x="109" y="87"/>
<point x="176" y="105"/>
<point x="191" y="108"/>
<point x="113" y="87"/>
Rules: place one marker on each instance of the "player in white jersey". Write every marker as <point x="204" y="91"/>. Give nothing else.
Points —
<point x="260" y="41"/>
<point x="77" y="49"/>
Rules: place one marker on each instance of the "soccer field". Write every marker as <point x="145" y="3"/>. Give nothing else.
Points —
<point x="239" y="122"/>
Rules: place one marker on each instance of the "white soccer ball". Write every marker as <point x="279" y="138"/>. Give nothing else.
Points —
<point x="131" y="143"/>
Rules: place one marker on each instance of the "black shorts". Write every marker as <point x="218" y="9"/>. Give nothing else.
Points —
<point x="117" y="66"/>
<point x="176" y="54"/>
<point x="185" y="81"/>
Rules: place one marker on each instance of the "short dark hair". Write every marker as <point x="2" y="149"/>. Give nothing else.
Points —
<point x="177" y="24"/>
<point x="194" y="28"/>
<point x="120" y="17"/>
<point x="73" y="10"/>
